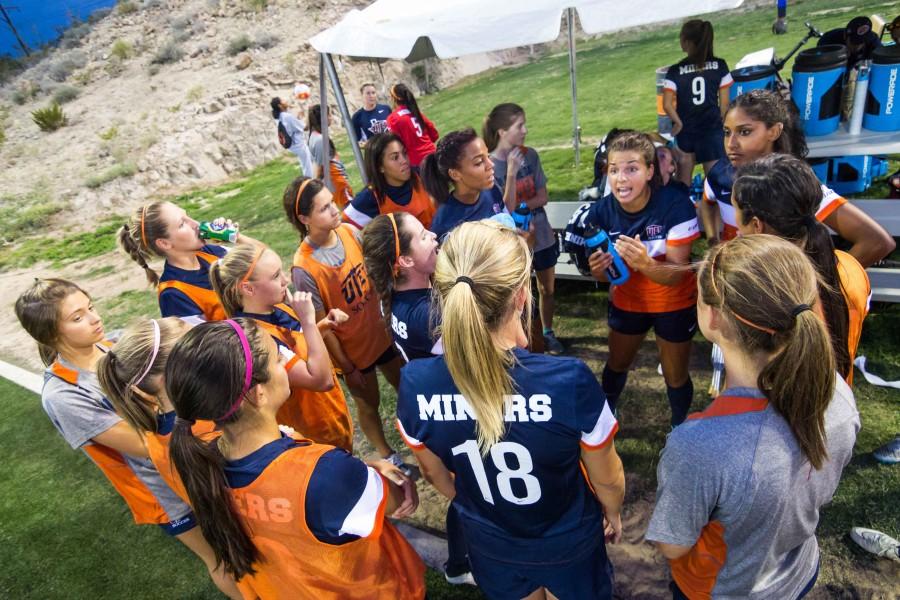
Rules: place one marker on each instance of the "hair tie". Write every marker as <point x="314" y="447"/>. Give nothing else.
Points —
<point x="248" y="368"/>
<point x="152" y="354"/>
<point x="464" y="279"/>
<point x="300" y="193"/>
<point x="396" y="232"/>
<point x="253" y="264"/>
<point x="810" y="221"/>
<point x="143" y="235"/>
<point x="800" y="308"/>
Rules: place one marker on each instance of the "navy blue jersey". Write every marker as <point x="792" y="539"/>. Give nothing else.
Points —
<point x="369" y="123"/>
<point x="175" y="303"/>
<point x="342" y="504"/>
<point x="411" y="324"/>
<point x="528" y="497"/>
<point x="452" y="212"/>
<point x="668" y="220"/>
<point x="697" y="93"/>
<point x="364" y="206"/>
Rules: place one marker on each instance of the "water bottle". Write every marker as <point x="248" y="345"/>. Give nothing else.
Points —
<point x="854" y="127"/>
<point x="212" y="231"/>
<point x="697" y="188"/>
<point x="617" y="273"/>
<point x="522" y="216"/>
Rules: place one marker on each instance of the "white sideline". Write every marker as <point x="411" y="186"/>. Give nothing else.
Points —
<point x="430" y="547"/>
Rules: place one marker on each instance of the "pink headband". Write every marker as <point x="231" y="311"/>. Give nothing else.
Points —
<point x="248" y="368"/>
<point x="152" y="354"/>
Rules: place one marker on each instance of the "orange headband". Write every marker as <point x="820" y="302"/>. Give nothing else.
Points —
<point x="253" y="264"/>
<point x="143" y="235"/>
<point x="747" y="322"/>
<point x="297" y="199"/>
<point x="396" y="232"/>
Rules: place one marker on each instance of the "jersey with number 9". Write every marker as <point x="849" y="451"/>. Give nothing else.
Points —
<point x="529" y="486"/>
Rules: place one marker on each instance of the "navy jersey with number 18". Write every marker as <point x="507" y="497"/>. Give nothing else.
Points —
<point x="527" y="499"/>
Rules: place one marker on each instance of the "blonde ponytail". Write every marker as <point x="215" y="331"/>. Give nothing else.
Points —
<point x="481" y="267"/>
<point x="227" y="273"/>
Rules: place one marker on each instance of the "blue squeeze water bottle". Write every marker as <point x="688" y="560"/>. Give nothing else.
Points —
<point x="697" y="188"/>
<point x="522" y="216"/>
<point x="617" y="273"/>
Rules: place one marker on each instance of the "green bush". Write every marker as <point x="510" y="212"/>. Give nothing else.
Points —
<point x="109" y="134"/>
<point x="122" y="49"/>
<point x="50" y="118"/>
<point x="258" y="5"/>
<point x="239" y="44"/>
<point x="125" y="169"/>
<point x="65" y="93"/>
<point x="126" y="7"/>
<point x="169" y="52"/>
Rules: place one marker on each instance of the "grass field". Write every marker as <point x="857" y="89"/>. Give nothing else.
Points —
<point x="64" y="533"/>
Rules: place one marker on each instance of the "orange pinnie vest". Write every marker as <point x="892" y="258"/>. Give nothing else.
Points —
<point x="145" y="509"/>
<point x="158" y="448"/>
<point x="320" y="416"/>
<point x="298" y="566"/>
<point x="420" y="205"/>
<point x="206" y="299"/>
<point x="857" y="290"/>
<point x="364" y="337"/>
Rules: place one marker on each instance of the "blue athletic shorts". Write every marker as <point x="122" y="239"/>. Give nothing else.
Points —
<point x="546" y="258"/>
<point x="386" y="357"/>
<point x="179" y="526"/>
<point x="704" y="145"/>
<point x="674" y="326"/>
<point x="587" y="576"/>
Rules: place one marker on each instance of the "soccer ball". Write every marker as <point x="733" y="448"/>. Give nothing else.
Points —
<point x="301" y="91"/>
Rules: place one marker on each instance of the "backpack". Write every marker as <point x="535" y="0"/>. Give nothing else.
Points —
<point x="573" y="240"/>
<point x="284" y="138"/>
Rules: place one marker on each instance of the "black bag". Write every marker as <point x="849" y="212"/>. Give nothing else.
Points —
<point x="573" y="241"/>
<point x="284" y="138"/>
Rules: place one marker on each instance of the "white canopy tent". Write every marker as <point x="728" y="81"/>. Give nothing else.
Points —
<point x="400" y="29"/>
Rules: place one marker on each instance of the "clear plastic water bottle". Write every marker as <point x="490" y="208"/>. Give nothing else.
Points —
<point x="212" y="231"/>
<point x="596" y="239"/>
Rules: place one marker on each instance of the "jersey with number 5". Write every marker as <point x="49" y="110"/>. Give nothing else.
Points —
<point x="697" y="93"/>
<point x="529" y="484"/>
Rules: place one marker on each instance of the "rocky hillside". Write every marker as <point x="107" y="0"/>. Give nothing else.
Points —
<point x="165" y="94"/>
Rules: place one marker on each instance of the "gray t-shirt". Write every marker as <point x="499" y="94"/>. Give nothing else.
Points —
<point x="80" y="412"/>
<point x="315" y="148"/>
<point x="330" y="256"/>
<point x="530" y="179"/>
<point x="734" y="481"/>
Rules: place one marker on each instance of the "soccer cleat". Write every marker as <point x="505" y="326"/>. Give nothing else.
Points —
<point x="879" y="544"/>
<point x="889" y="454"/>
<point x="461" y="579"/>
<point x="553" y="345"/>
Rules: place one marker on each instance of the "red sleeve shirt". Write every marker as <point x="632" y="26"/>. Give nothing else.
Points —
<point x="418" y="137"/>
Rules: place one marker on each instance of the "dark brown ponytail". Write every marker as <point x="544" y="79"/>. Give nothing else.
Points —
<point x="137" y="237"/>
<point x="298" y="200"/>
<point x="380" y="255"/>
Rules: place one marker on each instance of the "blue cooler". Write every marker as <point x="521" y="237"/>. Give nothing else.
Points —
<point x="819" y="166"/>
<point x="818" y="80"/>
<point x="882" y="102"/>
<point x="752" y="78"/>
<point x="850" y="174"/>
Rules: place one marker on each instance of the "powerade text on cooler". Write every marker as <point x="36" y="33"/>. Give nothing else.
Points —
<point x="211" y="231"/>
<point x="617" y="273"/>
<point x="522" y="216"/>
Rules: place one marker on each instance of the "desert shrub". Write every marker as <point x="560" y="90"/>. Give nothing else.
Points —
<point x="99" y="15"/>
<point x="25" y="92"/>
<point x="258" y="5"/>
<point x="195" y="93"/>
<point x="50" y="118"/>
<point x="125" y="169"/>
<point x="62" y="68"/>
<point x="65" y="93"/>
<point x="239" y="44"/>
<point x="265" y="40"/>
<point x="169" y="52"/>
<point x="71" y="37"/>
<point x="109" y="134"/>
<point x="126" y="7"/>
<point x="122" y="49"/>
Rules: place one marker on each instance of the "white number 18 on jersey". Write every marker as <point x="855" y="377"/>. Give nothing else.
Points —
<point x="498" y="454"/>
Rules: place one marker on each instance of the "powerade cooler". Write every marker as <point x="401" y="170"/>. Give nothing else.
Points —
<point x="756" y="77"/>
<point x="818" y="79"/>
<point x="882" y="106"/>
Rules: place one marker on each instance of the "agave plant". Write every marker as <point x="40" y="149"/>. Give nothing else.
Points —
<point x="50" y="118"/>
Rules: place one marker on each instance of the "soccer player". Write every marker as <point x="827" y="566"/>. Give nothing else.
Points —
<point x="371" y="119"/>
<point x="413" y="128"/>
<point x="505" y="433"/>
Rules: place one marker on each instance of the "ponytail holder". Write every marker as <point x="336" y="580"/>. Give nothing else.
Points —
<point x="800" y="308"/>
<point x="810" y="221"/>
<point x="152" y="354"/>
<point x="464" y="279"/>
<point x="396" y="231"/>
<point x="253" y="264"/>
<point x="143" y="235"/>
<point x="248" y="369"/>
<point x="299" y="193"/>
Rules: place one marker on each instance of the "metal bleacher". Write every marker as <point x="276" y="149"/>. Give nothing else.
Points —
<point x="885" y="282"/>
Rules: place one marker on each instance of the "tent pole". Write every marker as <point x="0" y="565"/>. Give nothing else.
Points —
<point x="570" y="22"/>
<point x="345" y="115"/>
<point x="323" y="105"/>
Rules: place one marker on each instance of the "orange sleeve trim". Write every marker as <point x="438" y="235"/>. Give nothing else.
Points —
<point x="604" y="443"/>
<point x="405" y="439"/>
<point x="683" y="241"/>
<point x="290" y="364"/>
<point x="832" y="206"/>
